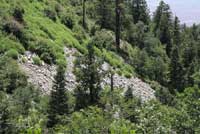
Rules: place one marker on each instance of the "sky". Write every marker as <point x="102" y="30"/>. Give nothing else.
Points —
<point x="188" y="11"/>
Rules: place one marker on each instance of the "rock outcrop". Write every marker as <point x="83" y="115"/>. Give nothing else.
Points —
<point x="42" y="76"/>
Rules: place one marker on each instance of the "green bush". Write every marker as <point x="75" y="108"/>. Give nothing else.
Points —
<point x="45" y="49"/>
<point x="7" y="44"/>
<point x="127" y="74"/>
<point x="18" y="14"/>
<point x="13" y="27"/>
<point x="12" y="53"/>
<point x="68" y="20"/>
<point x="37" y="60"/>
<point x="50" y="14"/>
<point x="79" y="33"/>
<point x="11" y="76"/>
<point x="104" y="39"/>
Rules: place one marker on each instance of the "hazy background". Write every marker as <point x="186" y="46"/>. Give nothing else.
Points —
<point x="188" y="11"/>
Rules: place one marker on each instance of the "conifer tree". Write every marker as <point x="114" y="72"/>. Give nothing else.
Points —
<point x="105" y="14"/>
<point x="58" y="104"/>
<point x="139" y="11"/>
<point x="176" y="36"/>
<point x="176" y="72"/>
<point x="163" y="25"/>
<point x="89" y="77"/>
<point x="4" y="118"/>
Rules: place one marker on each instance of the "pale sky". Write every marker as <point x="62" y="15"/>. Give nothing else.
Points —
<point x="188" y="11"/>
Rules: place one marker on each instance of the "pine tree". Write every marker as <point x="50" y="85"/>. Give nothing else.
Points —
<point x="139" y="11"/>
<point x="163" y="25"/>
<point x="89" y="77"/>
<point x="176" y="72"/>
<point x="4" y="119"/>
<point x="177" y="36"/>
<point x="58" y="105"/>
<point x="105" y="14"/>
<point x="177" y="78"/>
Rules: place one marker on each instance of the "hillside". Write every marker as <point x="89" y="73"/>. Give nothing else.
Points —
<point x="98" y="66"/>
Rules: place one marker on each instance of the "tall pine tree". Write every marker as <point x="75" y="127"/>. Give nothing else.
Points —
<point x="105" y="14"/>
<point x="89" y="77"/>
<point x="176" y="68"/>
<point x="58" y="104"/>
<point x="176" y="72"/>
<point x="139" y="11"/>
<point x="163" y="25"/>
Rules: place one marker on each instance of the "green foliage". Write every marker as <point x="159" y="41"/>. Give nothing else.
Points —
<point x="37" y="60"/>
<point x="4" y="114"/>
<point x="89" y="78"/>
<point x="13" y="27"/>
<point x="12" y="53"/>
<point x="18" y="13"/>
<point x="176" y="71"/>
<point x="163" y="25"/>
<point x="139" y="11"/>
<point x="50" y="14"/>
<point x="58" y="103"/>
<point x="11" y="76"/>
<point x="158" y="51"/>
<point x="26" y="97"/>
<point x="104" y="39"/>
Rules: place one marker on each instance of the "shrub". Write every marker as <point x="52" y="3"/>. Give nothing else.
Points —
<point x="13" y="27"/>
<point x="24" y="60"/>
<point x="18" y="14"/>
<point x="79" y="33"/>
<point x="68" y="20"/>
<point x="37" y="60"/>
<point x="45" y="49"/>
<point x="12" y="53"/>
<point x="127" y="74"/>
<point x="104" y="39"/>
<point x="50" y="14"/>
<point x="7" y="44"/>
<point x="11" y="76"/>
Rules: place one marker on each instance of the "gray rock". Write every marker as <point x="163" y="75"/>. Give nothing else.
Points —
<point x="42" y="77"/>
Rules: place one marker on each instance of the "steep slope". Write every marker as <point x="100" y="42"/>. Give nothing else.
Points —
<point x="43" y="29"/>
<point x="42" y="77"/>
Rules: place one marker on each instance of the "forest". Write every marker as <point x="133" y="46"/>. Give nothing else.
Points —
<point x="158" y="49"/>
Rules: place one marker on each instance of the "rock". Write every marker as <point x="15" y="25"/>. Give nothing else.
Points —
<point x="43" y="76"/>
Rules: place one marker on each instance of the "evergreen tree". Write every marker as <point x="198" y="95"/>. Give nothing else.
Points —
<point x="139" y="11"/>
<point x="176" y="71"/>
<point x="105" y="14"/>
<point x="58" y="104"/>
<point x="4" y="118"/>
<point x="177" y="36"/>
<point x="163" y="25"/>
<point x="89" y="77"/>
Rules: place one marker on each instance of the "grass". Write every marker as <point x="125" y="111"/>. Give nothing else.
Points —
<point x="56" y="35"/>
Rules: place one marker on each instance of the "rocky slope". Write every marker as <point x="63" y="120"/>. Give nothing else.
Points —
<point x="42" y="76"/>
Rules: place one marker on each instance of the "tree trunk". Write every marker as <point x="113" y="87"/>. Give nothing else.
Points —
<point x="84" y="15"/>
<point x="111" y="82"/>
<point x="117" y="29"/>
